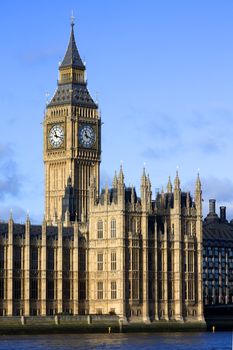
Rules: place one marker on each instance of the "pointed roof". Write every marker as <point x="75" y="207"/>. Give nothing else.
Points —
<point x="75" y="93"/>
<point x="169" y="185"/>
<point x="121" y="175"/>
<point x="198" y="183"/>
<point x="114" y="182"/>
<point x="72" y="57"/>
<point x="177" y="180"/>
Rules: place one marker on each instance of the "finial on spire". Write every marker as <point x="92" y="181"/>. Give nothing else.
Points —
<point x="72" y="18"/>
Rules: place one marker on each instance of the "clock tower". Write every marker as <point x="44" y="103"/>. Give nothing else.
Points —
<point x="72" y="141"/>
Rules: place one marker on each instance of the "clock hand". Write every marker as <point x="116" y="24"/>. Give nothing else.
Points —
<point x="86" y="135"/>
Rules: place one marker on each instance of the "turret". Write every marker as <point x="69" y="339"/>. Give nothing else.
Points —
<point x="198" y="195"/>
<point x="106" y="195"/>
<point x="10" y="222"/>
<point x="27" y="229"/>
<point x="121" y="187"/>
<point x="121" y="177"/>
<point x="177" y="181"/>
<point x="145" y="191"/>
<point x="177" y="192"/>
<point x="149" y="190"/>
<point x="169" y="185"/>
<point x="115" y="181"/>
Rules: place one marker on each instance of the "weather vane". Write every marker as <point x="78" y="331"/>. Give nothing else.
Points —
<point x="72" y="18"/>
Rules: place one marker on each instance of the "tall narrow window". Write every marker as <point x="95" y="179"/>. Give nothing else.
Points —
<point x="17" y="288"/>
<point x="50" y="259"/>
<point x="135" y="259"/>
<point x="1" y="257"/>
<point x="66" y="259"/>
<point x="100" y="290"/>
<point x="34" y="258"/>
<point x="82" y="290"/>
<point x="33" y="289"/>
<point x="100" y="229"/>
<point x="66" y="289"/>
<point x="82" y="259"/>
<point x="50" y="289"/>
<point x="17" y="257"/>
<point x="100" y="260"/>
<point x="1" y="288"/>
<point x="113" y="260"/>
<point x="113" y="228"/>
<point x="135" y="288"/>
<point x="190" y="261"/>
<point x="113" y="290"/>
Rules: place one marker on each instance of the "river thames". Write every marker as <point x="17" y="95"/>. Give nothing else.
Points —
<point x="142" y="341"/>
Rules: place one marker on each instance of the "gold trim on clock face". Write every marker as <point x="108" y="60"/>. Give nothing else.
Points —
<point x="87" y="136"/>
<point x="56" y="136"/>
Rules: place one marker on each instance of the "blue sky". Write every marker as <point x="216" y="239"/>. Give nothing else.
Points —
<point x="163" y="73"/>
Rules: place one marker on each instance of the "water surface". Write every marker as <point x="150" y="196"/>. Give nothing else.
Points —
<point x="133" y="341"/>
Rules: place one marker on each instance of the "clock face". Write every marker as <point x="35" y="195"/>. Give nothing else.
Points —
<point x="56" y="136"/>
<point x="86" y="136"/>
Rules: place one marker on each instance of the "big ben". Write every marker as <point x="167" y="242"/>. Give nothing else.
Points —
<point x="72" y="141"/>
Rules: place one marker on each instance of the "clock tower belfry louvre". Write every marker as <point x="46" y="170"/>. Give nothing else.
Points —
<point x="72" y="144"/>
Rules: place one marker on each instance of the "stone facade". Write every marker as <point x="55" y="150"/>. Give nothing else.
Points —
<point x="100" y="252"/>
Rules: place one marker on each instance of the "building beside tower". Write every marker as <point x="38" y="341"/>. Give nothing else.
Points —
<point x="100" y="251"/>
<point x="217" y="257"/>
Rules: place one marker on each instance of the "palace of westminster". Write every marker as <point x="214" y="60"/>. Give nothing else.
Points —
<point x="105" y="251"/>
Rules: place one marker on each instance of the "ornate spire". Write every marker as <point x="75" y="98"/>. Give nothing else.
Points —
<point x="177" y="181"/>
<point x="121" y="175"/>
<point x="27" y="216"/>
<point x="143" y="178"/>
<point x="198" y="183"/>
<point x="72" y="57"/>
<point x="169" y="185"/>
<point x="114" y="181"/>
